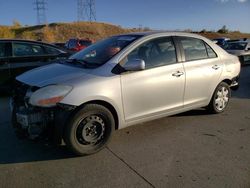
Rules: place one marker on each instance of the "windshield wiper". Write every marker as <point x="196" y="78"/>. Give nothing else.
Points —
<point x="77" y="62"/>
<point x="83" y="63"/>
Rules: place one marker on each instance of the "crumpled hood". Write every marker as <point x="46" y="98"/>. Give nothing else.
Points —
<point x="51" y="74"/>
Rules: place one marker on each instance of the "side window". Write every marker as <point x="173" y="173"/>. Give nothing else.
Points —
<point x="37" y="50"/>
<point x="3" y="50"/>
<point x="51" y="51"/>
<point x="194" y="49"/>
<point x="210" y="52"/>
<point x="155" y="53"/>
<point x="25" y="49"/>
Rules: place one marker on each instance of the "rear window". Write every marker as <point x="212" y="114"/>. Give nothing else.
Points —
<point x="194" y="49"/>
<point x="210" y="52"/>
<point x="51" y="51"/>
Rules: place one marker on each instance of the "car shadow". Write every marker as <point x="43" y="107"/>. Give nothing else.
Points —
<point x="196" y="112"/>
<point x="14" y="150"/>
<point x="244" y="90"/>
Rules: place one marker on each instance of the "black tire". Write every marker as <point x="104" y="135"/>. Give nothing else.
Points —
<point x="89" y="129"/>
<point x="214" y="106"/>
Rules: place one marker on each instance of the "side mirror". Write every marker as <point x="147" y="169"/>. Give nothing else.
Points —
<point x="248" y="49"/>
<point x="134" y="65"/>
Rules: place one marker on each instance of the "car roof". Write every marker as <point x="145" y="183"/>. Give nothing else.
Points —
<point x="32" y="41"/>
<point x="170" y="33"/>
<point x="23" y="40"/>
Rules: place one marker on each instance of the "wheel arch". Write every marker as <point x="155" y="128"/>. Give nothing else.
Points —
<point x="227" y="81"/>
<point x="106" y="104"/>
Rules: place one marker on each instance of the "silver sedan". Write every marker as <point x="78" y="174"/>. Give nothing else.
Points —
<point x="240" y="49"/>
<point x="121" y="81"/>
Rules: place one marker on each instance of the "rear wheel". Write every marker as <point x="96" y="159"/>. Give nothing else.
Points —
<point x="220" y="98"/>
<point x="89" y="129"/>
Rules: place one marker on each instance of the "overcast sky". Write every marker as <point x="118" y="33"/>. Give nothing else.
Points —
<point x="156" y="14"/>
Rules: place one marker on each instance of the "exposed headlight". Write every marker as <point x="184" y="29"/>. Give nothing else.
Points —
<point x="49" y="96"/>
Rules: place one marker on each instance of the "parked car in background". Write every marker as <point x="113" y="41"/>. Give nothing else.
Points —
<point x="76" y="45"/>
<point x="122" y="81"/>
<point x="241" y="49"/>
<point x="18" y="56"/>
<point x="221" y="41"/>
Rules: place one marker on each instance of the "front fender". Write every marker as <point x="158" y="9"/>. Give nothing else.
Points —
<point x="106" y="89"/>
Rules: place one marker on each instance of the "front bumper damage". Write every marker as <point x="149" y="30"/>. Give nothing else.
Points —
<point x="37" y="122"/>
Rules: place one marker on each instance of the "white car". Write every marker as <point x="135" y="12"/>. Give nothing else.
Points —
<point x="240" y="49"/>
<point x="122" y="81"/>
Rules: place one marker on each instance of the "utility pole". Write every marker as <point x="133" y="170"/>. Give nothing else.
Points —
<point x="86" y="10"/>
<point x="40" y="7"/>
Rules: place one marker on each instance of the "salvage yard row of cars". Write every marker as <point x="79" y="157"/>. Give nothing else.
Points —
<point x="117" y="82"/>
<point x="18" y="56"/>
<point x="240" y="48"/>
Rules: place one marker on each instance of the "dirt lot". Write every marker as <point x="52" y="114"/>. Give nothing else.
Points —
<point x="193" y="149"/>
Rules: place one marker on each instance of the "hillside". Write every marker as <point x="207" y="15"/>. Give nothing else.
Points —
<point x="61" y="32"/>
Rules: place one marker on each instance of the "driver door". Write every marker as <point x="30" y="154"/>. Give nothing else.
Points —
<point x="159" y="89"/>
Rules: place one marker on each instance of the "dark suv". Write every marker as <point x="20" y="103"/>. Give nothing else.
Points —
<point x="18" y="56"/>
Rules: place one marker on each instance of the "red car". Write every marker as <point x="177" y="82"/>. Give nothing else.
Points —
<point x="76" y="45"/>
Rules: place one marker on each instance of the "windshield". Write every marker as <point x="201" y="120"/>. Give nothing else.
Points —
<point x="101" y="52"/>
<point x="236" y="46"/>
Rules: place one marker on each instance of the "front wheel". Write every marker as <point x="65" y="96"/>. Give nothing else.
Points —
<point x="89" y="130"/>
<point x="220" y="98"/>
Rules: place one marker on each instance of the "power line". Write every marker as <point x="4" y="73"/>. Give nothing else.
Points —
<point x="40" y="7"/>
<point x="86" y="10"/>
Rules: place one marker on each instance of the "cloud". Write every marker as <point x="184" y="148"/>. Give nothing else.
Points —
<point x="225" y="1"/>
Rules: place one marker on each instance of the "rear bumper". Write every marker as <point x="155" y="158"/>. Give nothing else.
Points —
<point x="235" y="83"/>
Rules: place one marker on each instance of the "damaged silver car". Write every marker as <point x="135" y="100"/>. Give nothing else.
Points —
<point x="121" y="81"/>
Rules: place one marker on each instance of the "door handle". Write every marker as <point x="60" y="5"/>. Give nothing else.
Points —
<point x="178" y="74"/>
<point x="215" y="67"/>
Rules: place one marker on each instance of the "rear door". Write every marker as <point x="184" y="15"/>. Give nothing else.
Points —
<point x="203" y="69"/>
<point x="5" y="54"/>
